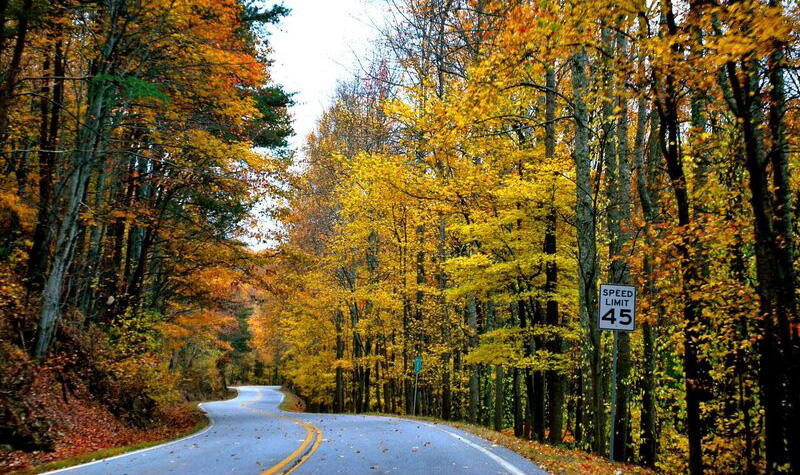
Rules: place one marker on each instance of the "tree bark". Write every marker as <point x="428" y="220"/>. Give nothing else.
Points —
<point x="669" y="129"/>
<point x="499" y="398"/>
<point x="779" y="346"/>
<point x="517" y="403"/>
<point x="555" y="383"/>
<point x="82" y="161"/>
<point x="648" y="436"/>
<point x="474" y="372"/>
<point x="619" y="170"/>
<point x="9" y="83"/>
<point x="538" y="396"/>
<point x="37" y="262"/>
<point x="339" y="395"/>
<point x="587" y="247"/>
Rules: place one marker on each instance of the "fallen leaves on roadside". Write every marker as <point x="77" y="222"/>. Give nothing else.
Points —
<point x="552" y="459"/>
<point x="83" y="426"/>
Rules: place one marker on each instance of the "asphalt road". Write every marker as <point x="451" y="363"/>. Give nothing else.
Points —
<point x="250" y="435"/>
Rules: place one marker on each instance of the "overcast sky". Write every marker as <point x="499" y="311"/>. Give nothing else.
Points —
<point x="314" y="47"/>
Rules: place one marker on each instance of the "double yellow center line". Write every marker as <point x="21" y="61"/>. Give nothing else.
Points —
<point x="302" y="453"/>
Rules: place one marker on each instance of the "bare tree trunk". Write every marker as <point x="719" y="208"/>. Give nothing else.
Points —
<point x="587" y="247"/>
<point x="474" y="372"/>
<point x="37" y="262"/>
<point x="555" y="382"/>
<point x="9" y="82"/>
<point x="648" y="436"/>
<point x="620" y="271"/>
<point x="83" y="161"/>
<point x="499" y="398"/>
<point x="670" y="141"/>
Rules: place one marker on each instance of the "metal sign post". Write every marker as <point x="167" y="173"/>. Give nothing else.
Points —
<point x="417" y="369"/>
<point x="613" y="395"/>
<point x="618" y="314"/>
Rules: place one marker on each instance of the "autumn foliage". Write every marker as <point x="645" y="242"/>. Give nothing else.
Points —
<point x="129" y="187"/>
<point x="463" y="197"/>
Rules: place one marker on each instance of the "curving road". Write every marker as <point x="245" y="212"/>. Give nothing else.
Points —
<point x="250" y="435"/>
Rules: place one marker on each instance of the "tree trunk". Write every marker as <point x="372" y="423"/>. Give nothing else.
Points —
<point x="499" y="398"/>
<point x="474" y="372"/>
<point x="538" y="396"/>
<point x="83" y="160"/>
<point x="784" y="316"/>
<point x="517" y="403"/>
<point x="9" y="83"/>
<point x="669" y="128"/>
<point x="620" y="271"/>
<point x="528" y="376"/>
<point x="587" y="250"/>
<point x="555" y="383"/>
<point x="37" y="263"/>
<point x="648" y="436"/>
<point x="339" y="396"/>
<point x="779" y="346"/>
<point x="445" y="328"/>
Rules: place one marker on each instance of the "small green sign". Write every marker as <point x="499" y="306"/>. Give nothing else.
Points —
<point x="418" y="364"/>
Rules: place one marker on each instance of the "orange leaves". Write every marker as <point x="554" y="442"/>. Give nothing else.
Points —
<point x="12" y="205"/>
<point x="210" y="62"/>
<point x="82" y="425"/>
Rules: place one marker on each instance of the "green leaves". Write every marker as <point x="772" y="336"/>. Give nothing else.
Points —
<point x="133" y="88"/>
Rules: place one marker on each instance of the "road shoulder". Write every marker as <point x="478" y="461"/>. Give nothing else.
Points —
<point x="550" y="458"/>
<point x="204" y="422"/>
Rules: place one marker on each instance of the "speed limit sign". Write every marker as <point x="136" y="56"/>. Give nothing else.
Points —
<point x="617" y="307"/>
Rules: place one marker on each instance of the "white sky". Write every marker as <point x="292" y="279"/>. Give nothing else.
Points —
<point x="313" y="47"/>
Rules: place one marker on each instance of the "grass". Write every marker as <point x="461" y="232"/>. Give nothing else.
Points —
<point x="202" y="423"/>
<point x="291" y="403"/>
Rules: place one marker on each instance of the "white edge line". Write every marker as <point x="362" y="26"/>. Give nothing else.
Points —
<point x="126" y="454"/>
<point x="283" y="396"/>
<point x="501" y="461"/>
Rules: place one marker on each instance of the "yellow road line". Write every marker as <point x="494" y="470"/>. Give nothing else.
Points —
<point x="293" y="455"/>
<point x="312" y="432"/>
<point x="310" y="452"/>
<point x="260" y="395"/>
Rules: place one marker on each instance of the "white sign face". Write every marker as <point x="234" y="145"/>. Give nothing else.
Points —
<point x="617" y="307"/>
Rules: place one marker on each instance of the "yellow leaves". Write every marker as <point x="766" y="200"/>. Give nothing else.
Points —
<point x="12" y="204"/>
<point x="429" y="231"/>
<point x="505" y="346"/>
<point x="731" y="47"/>
<point x="498" y="347"/>
<point x="346" y="365"/>
<point x="750" y="28"/>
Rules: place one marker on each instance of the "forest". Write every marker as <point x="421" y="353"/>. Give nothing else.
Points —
<point x="137" y="138"/>
<point x="491" y="163"/>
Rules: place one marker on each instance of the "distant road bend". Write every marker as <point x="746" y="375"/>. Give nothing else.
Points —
<point x="250" y="435"/>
